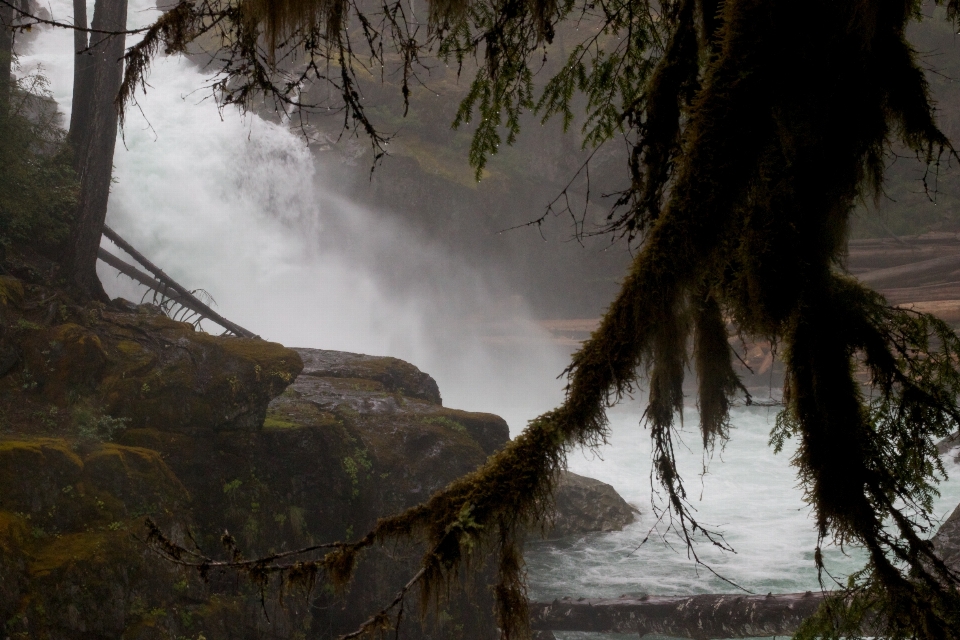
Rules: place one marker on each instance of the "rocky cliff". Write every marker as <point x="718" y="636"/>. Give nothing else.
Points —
<point x="110" y="414"/>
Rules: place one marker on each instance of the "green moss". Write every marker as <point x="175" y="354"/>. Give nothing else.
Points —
<point x="273" y="422"/>
<point x="72" y="549"/>
<point x="445" y="422"/>
<point x="11" y="291"/>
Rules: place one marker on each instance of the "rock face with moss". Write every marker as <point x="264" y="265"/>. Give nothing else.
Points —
<point x="585" y="505"/>
<point x="113" y="413"/>
<point x="110" y="414"/>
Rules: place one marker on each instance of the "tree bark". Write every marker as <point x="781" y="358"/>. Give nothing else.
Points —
<point x="82" y="82"/>
<point x="6" y="56"/>
<point x="698" y="617"/>
<point x="93" y="136"/>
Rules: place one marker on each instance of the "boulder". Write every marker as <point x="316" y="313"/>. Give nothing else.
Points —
<point x="584" y="505"/>
<point x="394" y="375"/>
<point x="950" y="443"/>
<point x="947" y="540"/>
<point x="146" y="369"/>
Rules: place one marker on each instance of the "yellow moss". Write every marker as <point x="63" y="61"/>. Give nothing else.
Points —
<point x="272" y="422"/>
<point x="13" y="528"/>
<point x="11" y="291"/>
<point x="135" y="475"/>
<point x="134" y="358"/>
<point x="298" y="415"/>
<point x="72" y="548"/>
<point x="35" y="447"/>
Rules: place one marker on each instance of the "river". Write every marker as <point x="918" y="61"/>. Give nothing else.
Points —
<point x="239" y="207"/>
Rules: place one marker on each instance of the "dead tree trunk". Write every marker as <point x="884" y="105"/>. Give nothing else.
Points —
<point x="93" y="135"/>
<point x="698" y="617"/>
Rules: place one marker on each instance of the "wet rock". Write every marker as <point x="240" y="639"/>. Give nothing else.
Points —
<point x="394" y="375"/>
<point x="947" y="540"/>
<point x="154" y="372"/>
<point x="948" y="444"/>
<point x="384" y="390"/>
<point x="116" y="413"/>
<point x="584" y="505"/>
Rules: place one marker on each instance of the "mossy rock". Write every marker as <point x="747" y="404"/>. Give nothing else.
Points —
<point x="182" y="380"/>
<point x="33" y="476"/>
<point x="45" y="480"/>
<point x="14" y="532"/>
<point x="65" y="361"/>
<point x="11" y="291"/>
<point x="395" y="375"/>
<point x="138" y="478"/>
<point x="83" y="585"/>
<point x="489" y="431"/>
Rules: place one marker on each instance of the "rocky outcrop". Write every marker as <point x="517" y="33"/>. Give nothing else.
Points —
<point x="113" y="413"/>
<point x="948" y="444"/>
<point x="947" y="540"/>
<point x="584" y="505"/>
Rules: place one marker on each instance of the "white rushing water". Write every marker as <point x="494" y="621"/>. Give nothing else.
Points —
<point x="239" y="207"/>
<point x="749" y="494"/>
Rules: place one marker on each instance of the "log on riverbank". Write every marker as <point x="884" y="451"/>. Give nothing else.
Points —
<point x="698" y="617"/>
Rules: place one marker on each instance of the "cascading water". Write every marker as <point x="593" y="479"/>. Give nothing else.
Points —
<point x="238" y="206"/>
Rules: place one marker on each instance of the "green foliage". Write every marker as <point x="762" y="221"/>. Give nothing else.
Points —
<point x="93" y="426"/>
<point x="355" y="465"/>
<point x="446" y="422"/>
<point x="38" y="188"/>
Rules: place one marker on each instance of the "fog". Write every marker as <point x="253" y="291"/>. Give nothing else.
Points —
<point x="240" y="208"/>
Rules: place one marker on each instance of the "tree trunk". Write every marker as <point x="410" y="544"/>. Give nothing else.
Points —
<point x="93" y="135"/>
<point x="82" y="82"/>
<point x="6" y="56"/>
<point x="697" y="617"/>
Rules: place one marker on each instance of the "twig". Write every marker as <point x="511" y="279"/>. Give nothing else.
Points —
<point x="378" y="616"/>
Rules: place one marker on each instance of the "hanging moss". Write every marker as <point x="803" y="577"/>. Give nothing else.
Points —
<point x="755" y="127"/>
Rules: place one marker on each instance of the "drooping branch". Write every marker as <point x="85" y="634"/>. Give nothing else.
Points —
<point x="773" y="125"/>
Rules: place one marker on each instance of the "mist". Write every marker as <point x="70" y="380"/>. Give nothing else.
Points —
<point x="240" y="208"/>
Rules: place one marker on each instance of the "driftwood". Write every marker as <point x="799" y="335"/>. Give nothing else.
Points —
<point x="163" y="284"/>
<point x="698" y="617"/>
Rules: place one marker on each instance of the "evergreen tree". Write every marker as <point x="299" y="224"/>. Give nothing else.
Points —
<point x="38" y="188"/>
<point x="755" y="126"/>
<point x="98" y="69"/>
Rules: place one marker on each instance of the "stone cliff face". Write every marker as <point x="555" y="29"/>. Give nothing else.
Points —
<point x="110" y="414"/>
<point x="113" y="413"/>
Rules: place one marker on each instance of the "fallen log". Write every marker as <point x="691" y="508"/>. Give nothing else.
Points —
<point x="699" y="617"/>
<point x="170" y="289"/>
<point x="914" y="274"/>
